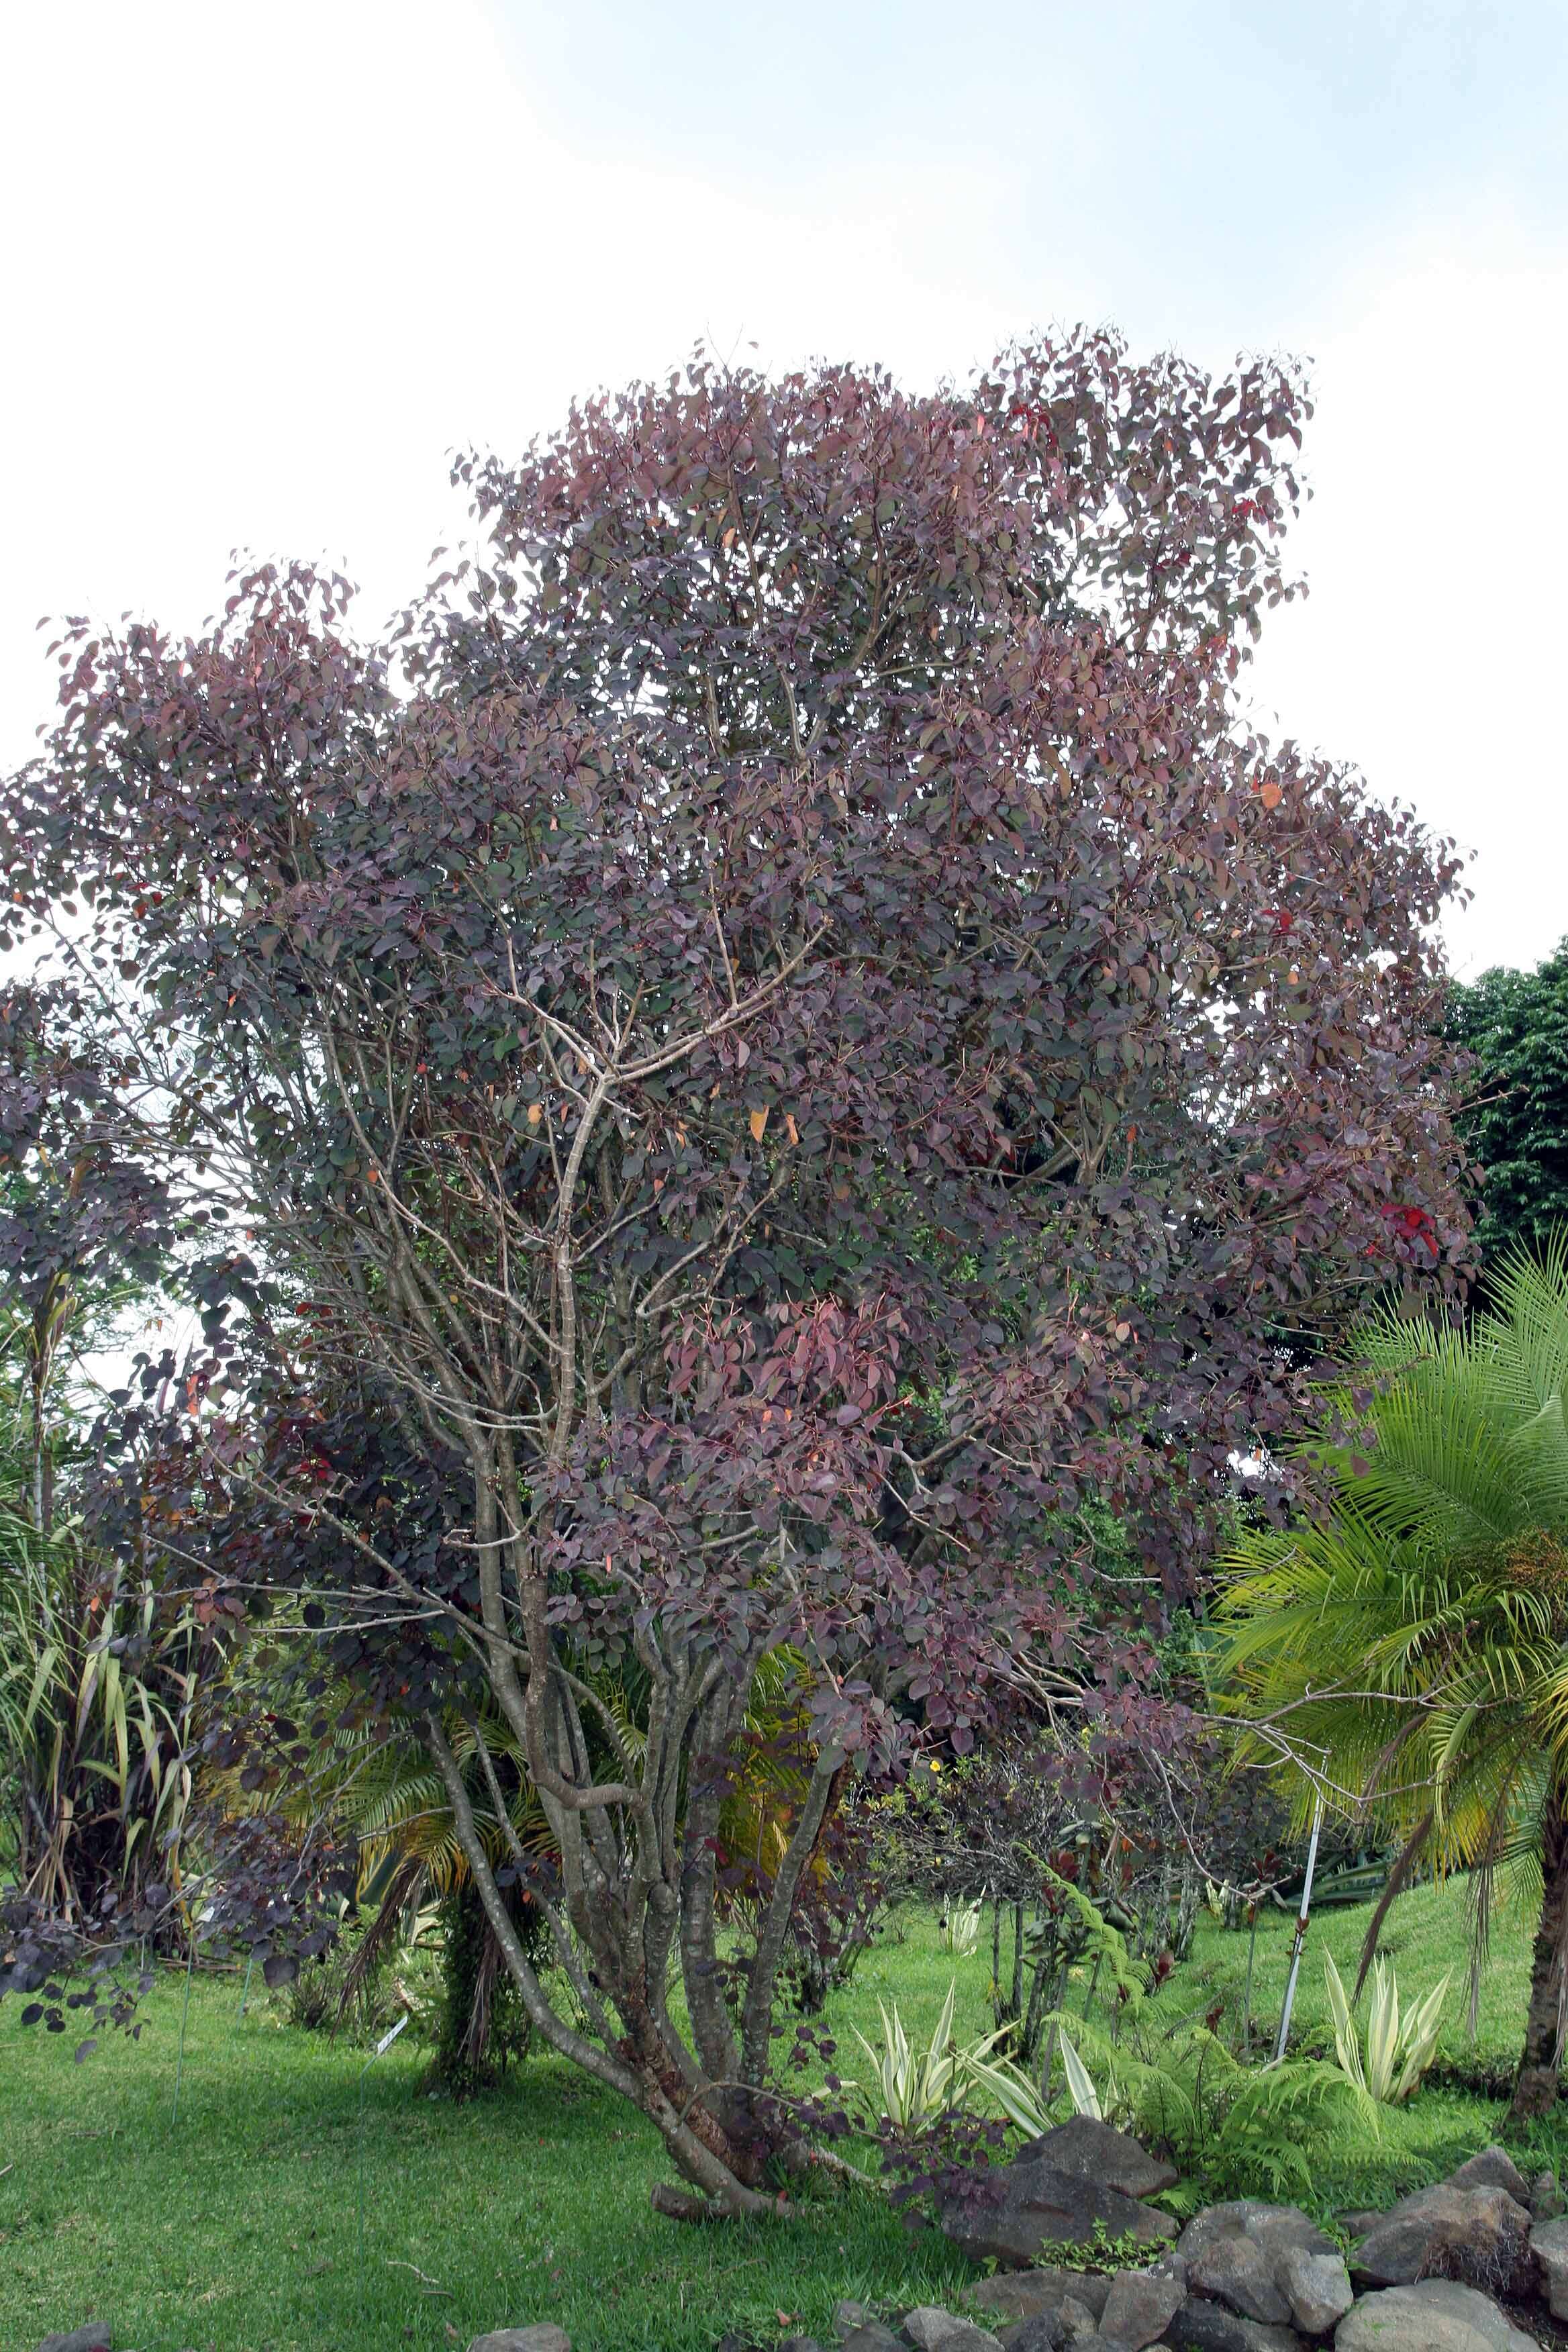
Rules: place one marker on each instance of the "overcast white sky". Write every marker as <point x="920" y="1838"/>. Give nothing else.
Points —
<point x="262" y="270"/>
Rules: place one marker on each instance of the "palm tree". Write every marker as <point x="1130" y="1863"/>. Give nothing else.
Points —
<point x="1415" y="1637"/>
<point x="387" y="1793"/>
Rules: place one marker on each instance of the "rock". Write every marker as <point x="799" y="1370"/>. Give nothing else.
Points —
<point x="544" y="2336"/>
<point x="873" y="2337"/>
<point x="1478" y="2236"/>
<point x="1237" y="2256"/>
<point x="1042" y="2332"/>
<point x="847" y="2316"/>
<point x="1202" y="2326"/>
<point x="1433" y="2315"/>
<point x="97" y="2335"/>
<point x="800" y="2344"/>
<point x="931" y="2329"/>
<point x="1071" y="2323"/>
<point x="1316" y="2287"/>
<point x="1545" y="2198"/>
<point x="1492" y="2169"/>
<point x="1549" y="2245"/>
<point x="1139" y="2308"/>
<point x="1049" y="2332"/>
<point x="1095" y="2152"/>
<point x="1030" y="2295"/>
<point x="1033" y="2204"/>
<point x="1277" y="2227"/>
<point x="1239" y="2271"/>
<point x="1356" y="2225"/>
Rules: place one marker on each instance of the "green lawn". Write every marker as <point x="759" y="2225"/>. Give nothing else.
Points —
<point x="236" y="2228"/>
<point x="1425" y="1936"/>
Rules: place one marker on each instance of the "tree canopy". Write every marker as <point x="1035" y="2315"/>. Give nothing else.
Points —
<point x="777" y="1036"/>
<point x="1516" y="1025"/>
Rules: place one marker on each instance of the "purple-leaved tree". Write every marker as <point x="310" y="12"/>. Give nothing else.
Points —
<point x="778" y="1036"/>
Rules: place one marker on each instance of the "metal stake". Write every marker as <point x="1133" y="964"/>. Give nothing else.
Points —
<point x="382" y="2047"/>
<point x="1300" y="1935"/>
<point x="1246" y="1996"/>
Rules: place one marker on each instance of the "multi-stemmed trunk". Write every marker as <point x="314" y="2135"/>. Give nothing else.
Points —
<point x="1536" y="2088"/>
<point x="635" y="1914"/>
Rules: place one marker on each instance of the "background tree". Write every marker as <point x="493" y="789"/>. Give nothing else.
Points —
<point x="1411" y="1645"/>
<point x="100" y="1661"/>
<point x="802" y="1038"/>
<point x="1516" y="1025"/>
<point x="83" y="1230"/>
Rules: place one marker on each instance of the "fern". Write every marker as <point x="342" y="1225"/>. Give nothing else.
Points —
<point x="1232" y="2128"/>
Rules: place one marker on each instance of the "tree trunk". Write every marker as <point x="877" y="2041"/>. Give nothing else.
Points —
<point x="637" y="2061"/>
<point x="1536" y="2089"/>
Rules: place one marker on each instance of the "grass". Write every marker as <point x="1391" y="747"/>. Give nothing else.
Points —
<point x="236" y="2230"/>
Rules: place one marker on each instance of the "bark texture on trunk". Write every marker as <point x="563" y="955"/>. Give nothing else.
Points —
<point x="1536" y="2089"/>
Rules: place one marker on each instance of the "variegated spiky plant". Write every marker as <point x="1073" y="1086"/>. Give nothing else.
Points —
<point x="917" y="2083"/>
<point x="1414" y="1639"/>
<point x="1400" y="2044"/>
